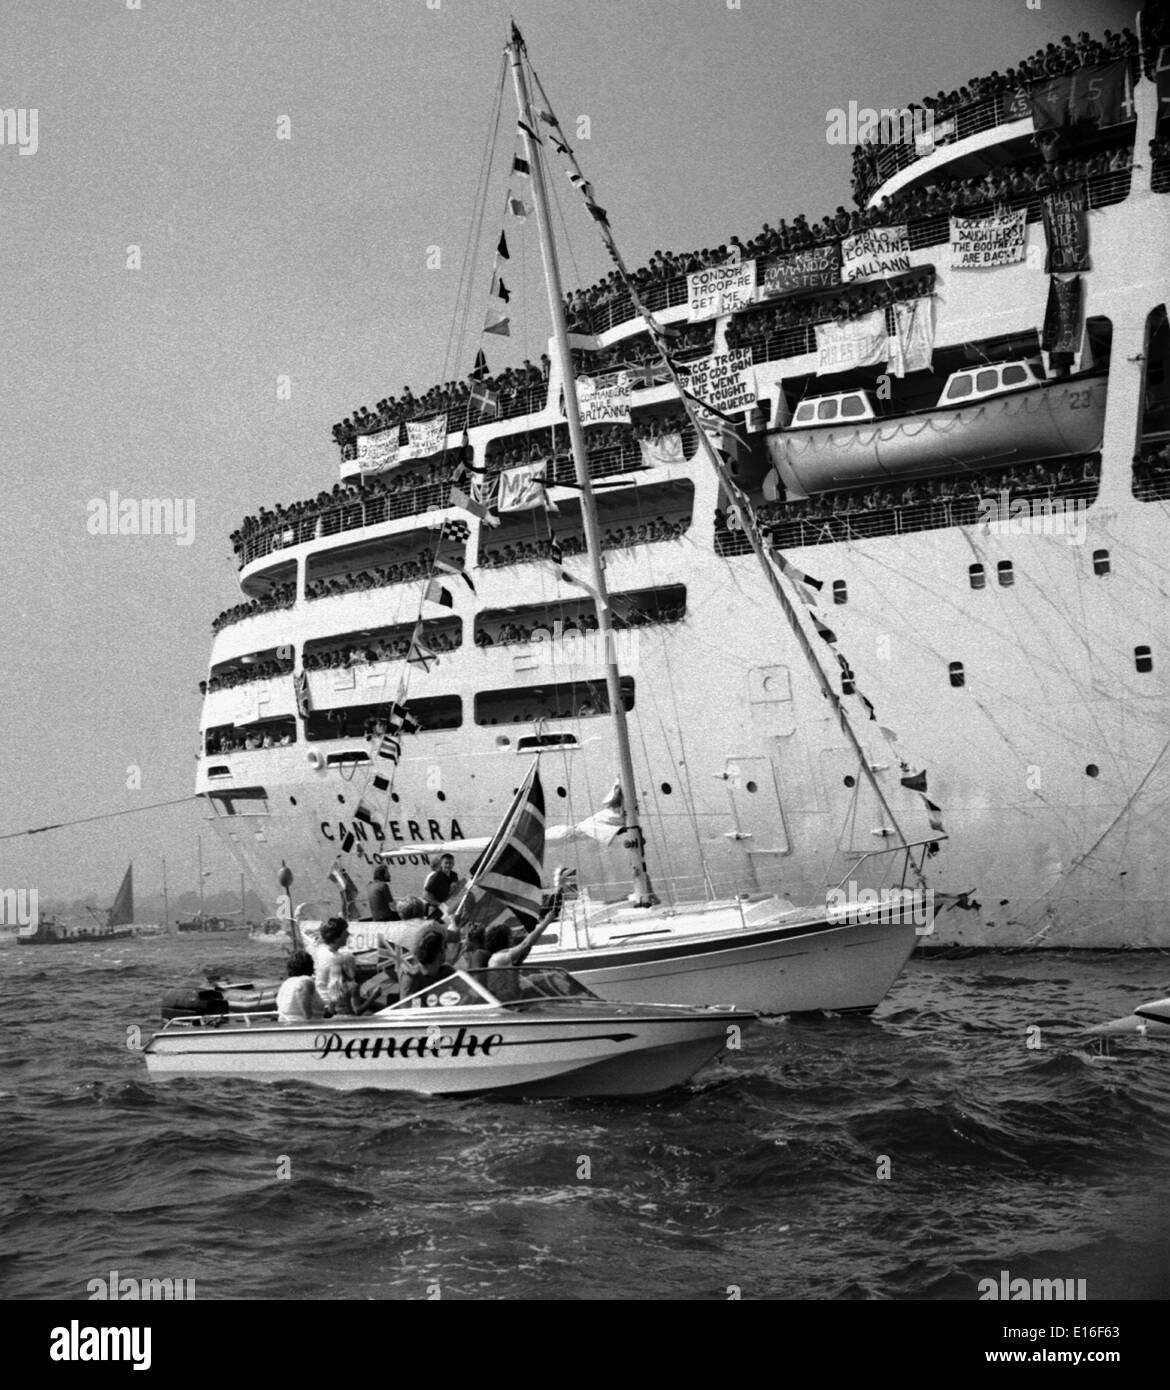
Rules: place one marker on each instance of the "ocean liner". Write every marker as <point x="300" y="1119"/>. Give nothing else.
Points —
<point x="953" y="417"/>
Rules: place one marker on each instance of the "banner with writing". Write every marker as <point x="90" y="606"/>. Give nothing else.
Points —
<point x="720" y="289"/>
<point x="376" y="451"/>
<point x="604" y="405"/>
<point x="1066" y="228"/>
<point x="725" y="381"/>
<point x="1017" y="106"/>
<point x="911" y="346"/>
<point x="1062" y="317"/>
<point x="667" y="448"/>
<point x="522" y="488"/>
<point x="860" y="342"/>
<point x="986" y="242"/>
<point x="1101" y="95"/>
<point x="819" y="267"/>
<point x="426" y="437"/>
<point x="875" y="253"/>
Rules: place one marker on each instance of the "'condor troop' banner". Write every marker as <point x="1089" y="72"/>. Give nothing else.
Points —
<point x="860" y="342"/>
<point x="817" y="268"/>
<point x="874" y="254"/>
<point x="726" y="381"/>
<point x="376" y="451"/>
<point x="425" y="437"/>
<point x="720" y="289"/>
<point x="1066" y="227"/>
<point x="985" y="242"/>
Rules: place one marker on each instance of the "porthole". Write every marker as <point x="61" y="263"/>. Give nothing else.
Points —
<point x="292" y="801"/>
<point x="441" y="796"/>
<point x="394" y="797"/>
<point x="850" y="781"/>
<point x="1101" y="562"/>
<point x="977" y="576"/>
<point x="751" y="787"/>
<point x="1092" y="770"/>
<point x="561" y="791"/>
<point x="957" y="676"/>
<point x="666" y="789"/>
<point x="1005" y="574"/>
<point x="341" y="798"/>
<point x="1143" y="660"/>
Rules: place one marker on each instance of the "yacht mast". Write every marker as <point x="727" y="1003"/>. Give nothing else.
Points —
<point x="643" y="892"/>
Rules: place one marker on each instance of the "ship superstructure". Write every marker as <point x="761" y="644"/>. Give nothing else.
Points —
<point x="966" y="459"/>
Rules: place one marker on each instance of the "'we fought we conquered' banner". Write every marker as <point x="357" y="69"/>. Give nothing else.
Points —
<point x="725" y="380"/>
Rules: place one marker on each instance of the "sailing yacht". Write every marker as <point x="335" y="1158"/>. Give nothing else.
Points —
<point x="974" y="640"/>
<point x="115" y="924"/>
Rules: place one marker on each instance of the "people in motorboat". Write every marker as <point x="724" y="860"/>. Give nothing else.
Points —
<point x="297" y="999"/>
<point x="426" y="964"/>
<point x="440" y="885"/>
<point x="498" y="938"/>
<point x="380" y="902"/>
<point x="335" y="971"/>
<point x="474" y="954"/>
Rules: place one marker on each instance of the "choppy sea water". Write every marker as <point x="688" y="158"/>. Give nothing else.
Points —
<point x="762" y="1176"/>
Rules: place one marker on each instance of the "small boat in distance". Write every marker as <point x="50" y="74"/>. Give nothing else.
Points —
<point x="115" y="925"/>
<point x="526" y="1032"/>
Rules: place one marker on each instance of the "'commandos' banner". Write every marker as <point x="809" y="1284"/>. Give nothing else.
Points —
<point x="1066" y="227"/>
<point x="720" y="289"/>
<point x="875" y="253"/>
<point x="985" y="242"/>
<point x="726" y="381"/>
<point x="819" y="267"/>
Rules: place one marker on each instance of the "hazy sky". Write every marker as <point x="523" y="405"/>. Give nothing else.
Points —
<point x="157" y="127"/>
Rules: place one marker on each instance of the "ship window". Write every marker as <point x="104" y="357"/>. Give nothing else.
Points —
<point x="1014" y="375"/>
<point x="563" y="700"/>
<point x="852" y="407"/>
<point x="1092" y="770"/>
<point x="1143" y="660"/>
<point x="1005" y="574"/>
<point x="1101" y="562"/>
<point x="840" y="591"/>
<point x="805" y="412"/>
<point x="827" y="410"/>
<point x="957" y="676"/>
<point x="977" y="576"/>
<point x="961" y="386"/>
<point x="360" y="721"/>
<point x="987" y="381"/>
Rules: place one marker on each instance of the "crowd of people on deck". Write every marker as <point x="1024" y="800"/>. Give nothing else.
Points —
<point x="753" y="329"/>
<point x="241" y="740"/>
<point x="508" y="385"/>
<point x="339" y="658"/>
<point x="1054" y="60"/>
<point x="243" y="675"/>
<point x="378" y="577"/>
<point x="604" y="442"/>
<point x="1151" y="472"/>
<point x="281" y="596"/>
<point x="856" y="503"/>
<point x="631" y="354"/>
<point x="612" y="538"/>
<point x="624" y="616"/>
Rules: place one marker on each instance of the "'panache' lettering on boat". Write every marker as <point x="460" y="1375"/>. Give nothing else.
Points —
<point x="429" y="1044"/>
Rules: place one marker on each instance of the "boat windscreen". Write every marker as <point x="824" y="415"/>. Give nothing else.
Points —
<point x="517" y="983"/>
<point x="447" y="993"/>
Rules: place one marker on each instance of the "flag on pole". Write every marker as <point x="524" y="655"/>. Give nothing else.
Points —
<point x="420" y="654"/>
<point x="496" y="323"/>
<point x="518" y="209"/>
<point x="502" y="248"/>
<point x="477" y="373"/>
<point x="505" y="881"/>
<point x="301" y="687"/>
<point x="438" y="594"/>
<point x="521" y="166"/>
<point x="500" y="290"/>
<point x="450" y="567"/>
<point x="526" y="129"/>
<point x="485" y="400"/>
<point x="460" y="499"/>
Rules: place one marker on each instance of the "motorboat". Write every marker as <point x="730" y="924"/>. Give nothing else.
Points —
<point x="530" y="1031"/>
<point x="1150" y="1021"/>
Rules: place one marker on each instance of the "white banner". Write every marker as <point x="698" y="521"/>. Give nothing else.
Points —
<point x="606" y="406"/>
<point x="425" y="437"/>
<point x="376" y="451"/>
<point x="522" y="488"/>
<point x="667" y="448"/>
<point x="875" y="253"/>
<point x="985" y="242"/>
<point x="911" y="346"/>
<point x="860" y="342"/>
<point x="720" y="289"/>
<point x="725" y="381"/>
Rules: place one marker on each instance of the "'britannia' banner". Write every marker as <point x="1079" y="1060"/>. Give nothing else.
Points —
<point x="606" y="405"/>
<point x="985" y="242"/>
<point x="720" y="289"/>
<point x="817" y="268"/>
<point x="376" y="451"/>
<point x="1066" y="227"/>
<point x="860" y="342"/>
<point x="726" y="381"/>
<point x="874" y="254"/>
<point x="426" y="437"/>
